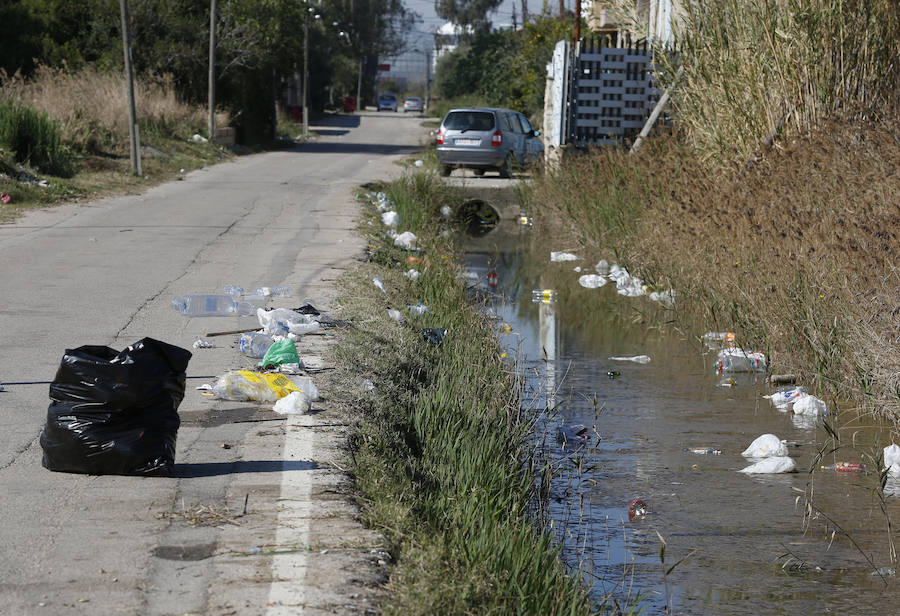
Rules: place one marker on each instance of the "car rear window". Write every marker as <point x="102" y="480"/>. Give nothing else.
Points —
<point x="469" y="120"/>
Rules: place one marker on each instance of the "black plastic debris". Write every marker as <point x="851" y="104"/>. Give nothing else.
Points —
<point x="434" y="335"/>
<point x="308" y="308"/>
<point x="116" y="413"/>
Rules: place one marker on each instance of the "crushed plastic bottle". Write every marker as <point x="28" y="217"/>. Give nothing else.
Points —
<point x="739" y="360"/>
<point x="212" y="306"/>
<point x="234" y="290"/>
<point x="718" y="340"/>
<point x="704" y="451"/>
<point x="545" y="296"/>
<point x="845" y="467"/>
<point x="419" y="309"/>
<point x="254" y="344"/>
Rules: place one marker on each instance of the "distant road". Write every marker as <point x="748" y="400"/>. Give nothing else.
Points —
<point x="104" y="273"/>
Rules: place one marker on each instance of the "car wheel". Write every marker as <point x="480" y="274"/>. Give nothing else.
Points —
<point x="506" y="169"/>
<point x="446" y="170"/>
<point x="478" y="172"/>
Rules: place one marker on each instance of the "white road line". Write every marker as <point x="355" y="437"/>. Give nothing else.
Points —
<point x="286" y="595"/>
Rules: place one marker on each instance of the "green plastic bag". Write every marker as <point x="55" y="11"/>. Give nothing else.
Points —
<point x="281" y="352"/>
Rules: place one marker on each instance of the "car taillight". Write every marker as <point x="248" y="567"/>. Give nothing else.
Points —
<point x="439" y="138"/>
<point x="497" y="138"/>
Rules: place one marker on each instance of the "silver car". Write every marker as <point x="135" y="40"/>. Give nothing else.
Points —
<point x="486" y="138"/>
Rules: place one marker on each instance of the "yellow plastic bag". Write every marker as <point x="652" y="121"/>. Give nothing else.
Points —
<point x="242" y="385"/>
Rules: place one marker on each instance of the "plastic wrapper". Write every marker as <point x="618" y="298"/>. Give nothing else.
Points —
<point x="243" y="385"/>
<point x="281" y="352"/>
<point x="116" y="413"/>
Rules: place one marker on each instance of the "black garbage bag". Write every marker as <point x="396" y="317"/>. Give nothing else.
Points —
<point x="115" y="413"/>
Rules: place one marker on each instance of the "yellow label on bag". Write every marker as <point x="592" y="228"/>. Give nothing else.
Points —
<point x="278" y="383"/>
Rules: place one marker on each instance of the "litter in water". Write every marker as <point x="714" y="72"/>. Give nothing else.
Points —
<point x="638" y="359"/>
<point x="558" y="257"/>
<point x="766" y="446"/>
<point x="782" y="464"/>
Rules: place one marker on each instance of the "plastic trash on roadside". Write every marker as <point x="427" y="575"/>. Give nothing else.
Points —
<point x="254" y="344"/>
<point x="200" y="344"/>
<point x="558" y="257"/>
<point x="602" y="267"/>
<point x="115" y="413"/>
<point x="418" y="310"/>
<point x="638" y="359"/>
<point x="434" y="335"/>
<point x="282" y="291"/>
<point x="406" y="240"/>
<point x="377" y="282"/>
<point x="766" y="446"/>
<point x="592" y="281"/>
<point x="281" y="352"/>
<point x="212" y="306"/>
<point x="244" y="385"/>
<point x="782" y="464"/>
<point x="295" y="403"/>
<point x="446" y="211"/>
<point x="413" y="274"/>
<point x="281" y="322"/>
<point x="390" y="219"/>
<point x="666" y="298"/>
<point x="739" y="360"/>
<point x="233" y="290"/>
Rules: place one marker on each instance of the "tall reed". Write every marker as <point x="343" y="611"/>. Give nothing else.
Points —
<point x="752" y="68"/>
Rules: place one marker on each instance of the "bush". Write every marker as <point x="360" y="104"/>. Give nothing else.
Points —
<point x="33" y="138"/>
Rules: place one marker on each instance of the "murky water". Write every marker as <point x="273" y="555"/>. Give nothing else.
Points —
<point x="739" y="544"/>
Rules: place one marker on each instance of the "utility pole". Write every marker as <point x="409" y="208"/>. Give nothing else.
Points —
<point x="562" y="9"/>
<point x="514" y="24"/>
<point x="524" y="11"/>
<point x="129" y="83"/>
<point x="577" y="20"/>
<point x="305" y="75"/>
<point x="427" y="77"/>
<point x="212" y="70"/>
<point x="359" y="86"/>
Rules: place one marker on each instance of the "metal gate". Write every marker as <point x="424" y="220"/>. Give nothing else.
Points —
<point x="601" y="94"/>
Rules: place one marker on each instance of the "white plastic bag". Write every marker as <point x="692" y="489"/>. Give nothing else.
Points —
<point x="766" y="446"/>
<point x="406" y="240"/>
<point x="281" y="322"/>
<point x="782" y="464"/>
<point x="390" y="219"/>
<point x="592" y="281"/>
<point x="892" y="459"/>
<point x="809" y="405"/>
<point x="295" y="403"/>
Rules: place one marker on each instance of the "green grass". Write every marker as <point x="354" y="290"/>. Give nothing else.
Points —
<point x="33" y="139"/>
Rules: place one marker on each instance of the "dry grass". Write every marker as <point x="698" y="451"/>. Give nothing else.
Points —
<point x="92" y="106"/>
<point x="754" y="67"/>
<point x="797" y="253"/>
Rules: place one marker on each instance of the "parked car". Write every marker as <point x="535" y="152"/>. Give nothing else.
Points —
<point x="486" y="138"/>
<point x="387" y="101"/>
<point x="413" y="103"/>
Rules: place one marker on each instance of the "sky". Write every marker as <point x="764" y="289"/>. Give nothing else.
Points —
<point x="412" y="64"/>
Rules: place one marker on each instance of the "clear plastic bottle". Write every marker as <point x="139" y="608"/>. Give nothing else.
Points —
<point x="255" y="344"/>
<point x="283" y="291"/>
<point x="233" y="290"/>
<point x="211" y="306"/>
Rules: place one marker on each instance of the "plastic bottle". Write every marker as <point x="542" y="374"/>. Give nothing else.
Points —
<point x="233" y="290"/>
<point x="545" y="296"/>
<point x="846" y="467"/>
<point x="704" y="451"/>
<point x="211" y="306"/>
<point x="255" y="344"/>
<point x="283" y="291"/>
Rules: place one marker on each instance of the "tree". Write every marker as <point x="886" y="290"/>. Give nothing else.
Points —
<point x="467" y="12"/>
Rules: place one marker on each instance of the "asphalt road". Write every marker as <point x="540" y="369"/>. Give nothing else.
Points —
<point x="104" y="273"/>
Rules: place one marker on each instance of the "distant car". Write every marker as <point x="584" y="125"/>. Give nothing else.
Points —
<point x="487" y="138"/>
<point x="413" y="103"/>
<point x="387" y="101"/>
